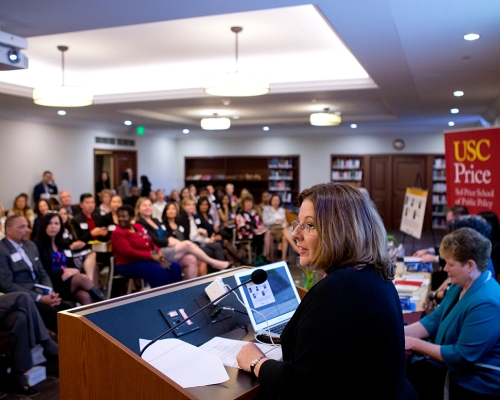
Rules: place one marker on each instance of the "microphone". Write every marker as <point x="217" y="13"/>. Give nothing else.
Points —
<point x="258" y="276"/>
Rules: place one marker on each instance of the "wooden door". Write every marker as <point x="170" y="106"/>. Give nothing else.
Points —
<point x="121" y="161"/>
<point x="405" y="172"/>
<point x="380" y="185"/>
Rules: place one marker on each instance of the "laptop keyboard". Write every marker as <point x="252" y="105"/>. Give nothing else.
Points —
<point x="277" y="329"/>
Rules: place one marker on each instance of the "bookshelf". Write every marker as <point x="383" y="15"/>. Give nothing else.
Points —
<point x="439" y="193"/>
<point x="347" y="169"/>
<point x="276" y="174"/>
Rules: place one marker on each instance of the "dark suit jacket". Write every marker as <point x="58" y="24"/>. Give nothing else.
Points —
<point x="39" y="189"/>
<point x="16" y="276"/>
<point x="160" y="242"/>
<point x="82" y="233"/>
<point x="345" y="337"/>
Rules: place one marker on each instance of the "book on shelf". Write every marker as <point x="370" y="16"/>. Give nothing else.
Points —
<point x="280" y="163"/>
<point x="346" y="163"/>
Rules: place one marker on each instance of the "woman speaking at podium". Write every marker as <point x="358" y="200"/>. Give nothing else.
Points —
<point x="346" y="338"/>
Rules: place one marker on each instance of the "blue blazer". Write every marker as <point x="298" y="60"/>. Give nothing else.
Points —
<point x="39" y="189"/>
<point x="469" y="335"/>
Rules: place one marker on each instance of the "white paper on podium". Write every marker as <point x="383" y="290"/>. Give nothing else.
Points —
<point x="187" y="365"/>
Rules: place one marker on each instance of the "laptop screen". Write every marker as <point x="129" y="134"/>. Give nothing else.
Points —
<point x="276" y="299"/>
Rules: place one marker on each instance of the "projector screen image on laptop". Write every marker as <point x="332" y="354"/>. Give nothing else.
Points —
<point x="277" y="298"/>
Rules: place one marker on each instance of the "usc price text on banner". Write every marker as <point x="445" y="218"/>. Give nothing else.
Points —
<point x="473" y="169"/>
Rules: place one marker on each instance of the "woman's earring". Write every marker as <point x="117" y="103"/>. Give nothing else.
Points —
<point x="470" y="276"/>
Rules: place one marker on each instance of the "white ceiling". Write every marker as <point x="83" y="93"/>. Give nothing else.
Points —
<point x="146" y="62"/>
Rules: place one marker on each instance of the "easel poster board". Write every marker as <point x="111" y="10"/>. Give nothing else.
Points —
<point x="473" y="175"/>
<point x="412" y="220"/>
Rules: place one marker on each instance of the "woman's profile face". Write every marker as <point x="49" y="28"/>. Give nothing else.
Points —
<point x="190" y="207"/>
<point x="171" y="211"/>
<point x="184" y="193"/>
<point x="63" y="214"/>
<point x="307" y="239"/>
<point x="225" y="200"/>
<point x="115" y="203"/>
<point x="53" y="227"/>
<point x="203" y="206"/>
<point x="457" y="272"/>
<point x="146" y="209"/>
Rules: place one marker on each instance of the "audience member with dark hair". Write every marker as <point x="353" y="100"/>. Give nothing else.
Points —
<point x="41" y="209"/>
<point x="137" y="256"/>
<point x="103" y="183"/>
<point x="57" y="259"/>
<point x="89" y="225"/>
<point x="131" y="200"/>
<point x="249" y="225"/>
<point x="124" y="188"/>
<point x="145" y="186"/>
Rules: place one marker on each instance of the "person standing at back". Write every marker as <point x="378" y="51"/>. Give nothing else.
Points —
<point x="46" y="188"/>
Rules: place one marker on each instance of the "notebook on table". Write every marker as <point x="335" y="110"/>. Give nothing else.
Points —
<point x="276" y="299"/>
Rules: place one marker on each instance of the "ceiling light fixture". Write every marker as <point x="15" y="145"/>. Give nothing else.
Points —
<point x="325" y="118"/>
<point x="236" y="84"/>
<point x="265" y="128"/>
<point x="127" y="122"/>
<point x="471" y="36"/>
<point x="62" y="96"/>
<point x="454" y="110"/>
<point x="458" y="93"/>
<point x="185" y="131"/>
<point x="61" y="112"/>
<point x="215" y="123"/>
<point x="354" y="126"/>
<point x="451" y="123"/>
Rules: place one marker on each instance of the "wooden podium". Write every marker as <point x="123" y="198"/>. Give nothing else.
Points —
<point x="99" y="345"/>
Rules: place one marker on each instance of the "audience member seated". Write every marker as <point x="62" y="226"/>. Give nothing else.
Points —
<point x="103" y="183"/>
<point x="183" y="252"/>
<point x="105" y="199"/>
<point x="274" y="220"/>
<point x="248" y="224"/>
<point x="46" y="188"/>
<point x="111" y="219"/>
<point x="213" y="232"/>
<point x="83" y="258"/>
<point x="89" y="225"/>
<point x="492" y="218"/>
<point x="134" y="196"/>
<point x="265" y="198"/>
<point x="20" y="317"/>
<point x="2" y="221"/>
<point x="41" y="209"/>
<point x="213" y="209"/>
<point x="185" y="194"/>
<point x="136" y="255"/>
<point x="464" y="331"/>
<point x="21" y="269"/>
<point x="227" y="217"/>
<point x="66" y="202"/>
<point x="20" y="208"/>
<point x="244" y="193"/>
<point x="211" y="193"/>
<point x="159" y="204"/>
<point x="232" y="196"/>
<point x="193" y="193"/>
<point x="174" y="196"/>
<point x="57" y="259"/>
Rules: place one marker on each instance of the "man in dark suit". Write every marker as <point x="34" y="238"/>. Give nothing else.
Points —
<point x="20" y="317"/>
<point x="131" y="180"/>
<point x="89" y="225"/>
<point x="46" y="188"/>
<point x="65" y="200"/>
<point x="21" y="269"/>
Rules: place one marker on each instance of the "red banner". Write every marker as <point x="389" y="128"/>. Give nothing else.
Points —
<point x="473" y="169"/>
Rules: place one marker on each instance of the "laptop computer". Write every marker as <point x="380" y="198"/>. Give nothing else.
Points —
<point x="276" y="299"/>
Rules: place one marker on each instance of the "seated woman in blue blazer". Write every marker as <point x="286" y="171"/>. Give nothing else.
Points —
<point x="464" y="331"/>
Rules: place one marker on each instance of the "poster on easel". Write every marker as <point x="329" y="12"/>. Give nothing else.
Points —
<point x="412" y="220"/>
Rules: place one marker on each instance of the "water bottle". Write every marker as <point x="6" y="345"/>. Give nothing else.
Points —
<point x="400" y="260"/>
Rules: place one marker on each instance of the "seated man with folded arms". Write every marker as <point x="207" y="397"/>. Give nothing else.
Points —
<point x="21" y="270"/>
<point x="19" y="316"/>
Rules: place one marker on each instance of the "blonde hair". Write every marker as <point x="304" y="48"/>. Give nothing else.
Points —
<point x="186" y="200"/>
<point x="350" y="231"/>
<point x="103" y="192"/>
<point x="140" y="200"/>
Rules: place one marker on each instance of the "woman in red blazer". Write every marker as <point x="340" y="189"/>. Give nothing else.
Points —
<point x="136" y="256"/>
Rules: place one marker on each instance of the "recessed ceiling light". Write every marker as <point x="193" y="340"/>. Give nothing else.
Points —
<point x="236" y="117"/>
<point x="454" y="110"/>
<point x="471" y="36"/>
<point x="458" y="93"/>
<point x="61" y="112"/>
<point x="265" y="128"/>
<point x="185" y="131"/>
<point x="451" y="123"/>
<point x="128" y="123"/>
<point x="354" y="126"/>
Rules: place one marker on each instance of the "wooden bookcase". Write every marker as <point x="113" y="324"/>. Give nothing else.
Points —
<point x="276" y="174"/>
<point x="439" y="193"/>
<point x="347" y="169"/>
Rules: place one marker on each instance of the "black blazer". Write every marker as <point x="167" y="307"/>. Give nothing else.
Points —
<point x="39" y="190"/>
<point x="207" y="224"/>
<point x="160" y="242"/>
<point x="15" y="274"/>
<point x="83" y="233"/>
<point x="346" y="339"/>
<point x="46" y="259"/>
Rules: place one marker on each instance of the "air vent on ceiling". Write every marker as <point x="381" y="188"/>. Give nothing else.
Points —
<point x="105" y="140"/>
<point x="121" y="142"/>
